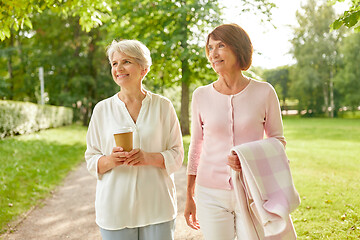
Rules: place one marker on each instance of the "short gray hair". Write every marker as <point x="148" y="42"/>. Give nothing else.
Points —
<point x="133" y="48"/>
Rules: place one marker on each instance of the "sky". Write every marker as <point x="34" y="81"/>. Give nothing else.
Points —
<point x="271" y="45"/>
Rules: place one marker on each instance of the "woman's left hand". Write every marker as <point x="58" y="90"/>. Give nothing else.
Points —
<point x="234" y="162"/>
<point x="136" y="157"/>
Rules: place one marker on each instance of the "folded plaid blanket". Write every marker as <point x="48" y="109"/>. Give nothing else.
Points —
<point x="270" y="192"/>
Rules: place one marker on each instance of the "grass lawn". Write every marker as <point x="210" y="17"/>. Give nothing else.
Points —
<point x="33" y="165"/>
<point x="325" y="163"/>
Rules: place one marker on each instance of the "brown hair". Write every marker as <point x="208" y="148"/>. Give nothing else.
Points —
<point x="237" y="39"/>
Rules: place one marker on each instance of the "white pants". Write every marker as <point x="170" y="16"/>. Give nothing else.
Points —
<point x="220" y="218"/>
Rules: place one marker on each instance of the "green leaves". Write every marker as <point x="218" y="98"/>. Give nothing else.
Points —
<point x="349" y="18"/>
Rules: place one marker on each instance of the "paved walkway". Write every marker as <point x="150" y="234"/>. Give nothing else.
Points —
<point x="70" y="213"/>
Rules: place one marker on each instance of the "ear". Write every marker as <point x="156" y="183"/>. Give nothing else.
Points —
<point x="144" y="71"/>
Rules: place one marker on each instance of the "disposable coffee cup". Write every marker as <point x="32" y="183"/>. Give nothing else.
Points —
<point x="124" y="138"/>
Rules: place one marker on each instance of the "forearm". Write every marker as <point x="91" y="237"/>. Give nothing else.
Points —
<point x="191" y="179"/>
<point x="105" y="164"/>
<point x="155" y="159"/>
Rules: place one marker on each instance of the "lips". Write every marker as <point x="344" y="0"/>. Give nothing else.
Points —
<point x="217" y="62"/>
<point x="122" y="75"/>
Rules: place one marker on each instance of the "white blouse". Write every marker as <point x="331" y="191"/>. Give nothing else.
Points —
<point x="135" y="196"/>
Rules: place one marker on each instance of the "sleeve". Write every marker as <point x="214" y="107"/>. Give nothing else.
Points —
<point x="196" y="137"/>
<point x="174" y="153"/>
<point x="273" y="120"/>
<point x="93" y="151"/>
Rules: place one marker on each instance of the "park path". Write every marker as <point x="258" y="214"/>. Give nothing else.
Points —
<point x="69" y="213"/>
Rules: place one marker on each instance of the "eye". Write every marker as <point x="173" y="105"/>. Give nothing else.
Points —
<point x="221" y="45"/>
<point x="210" y="48"/>
<point x="114" y="64"/>
<point x="127" y="61"/>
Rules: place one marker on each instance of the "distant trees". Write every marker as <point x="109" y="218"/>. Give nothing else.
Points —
<point x="326" y="76"/>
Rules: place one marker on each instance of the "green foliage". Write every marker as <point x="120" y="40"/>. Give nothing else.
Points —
<point x="25" y="117"/>
<point x="349" y="18"/>
<point x="17" y="14"/>
<point x="33" y="165"/>
<point x="280" y="79"/>
<point x="347" y="81"/>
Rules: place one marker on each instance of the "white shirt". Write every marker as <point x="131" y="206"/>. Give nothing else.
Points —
<point x="135" y="196"/>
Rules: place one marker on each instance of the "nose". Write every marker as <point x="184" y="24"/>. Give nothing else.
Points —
<point x="119" y="67"/>
<point x="213" y="54"/>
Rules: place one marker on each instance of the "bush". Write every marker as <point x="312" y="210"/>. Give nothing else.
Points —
<point x="25" y="117"/>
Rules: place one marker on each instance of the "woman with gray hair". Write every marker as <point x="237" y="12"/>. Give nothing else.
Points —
<point x="135" y="192"/>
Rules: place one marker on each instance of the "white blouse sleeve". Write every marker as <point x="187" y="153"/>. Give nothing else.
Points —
<point x="174" y="153"/>
<point x="93" y="152"/>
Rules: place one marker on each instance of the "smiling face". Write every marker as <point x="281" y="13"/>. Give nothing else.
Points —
<point x="221" y="57"/>
<point x="125" y="70"/>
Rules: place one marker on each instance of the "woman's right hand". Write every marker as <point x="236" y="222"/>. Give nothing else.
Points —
<point x="190" y="213"/>
<point x="116" y="158"/>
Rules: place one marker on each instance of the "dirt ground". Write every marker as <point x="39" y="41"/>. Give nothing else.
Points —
<point x="70" y="213"/>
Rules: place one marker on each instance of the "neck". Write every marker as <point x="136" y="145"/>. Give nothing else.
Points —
<point x="130" y="95"/>
<point x="231" y="83"/>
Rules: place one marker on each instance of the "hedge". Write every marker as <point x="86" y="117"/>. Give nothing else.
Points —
<point x="25" y="117"/>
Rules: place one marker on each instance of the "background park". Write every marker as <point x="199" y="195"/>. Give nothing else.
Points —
<point x="42" y="130"/>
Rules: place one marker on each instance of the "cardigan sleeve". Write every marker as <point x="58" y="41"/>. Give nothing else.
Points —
<point x="174" y="153"/>
<point x="196" y="136"/>
<point x="93" y="152"/>
<point x="273" y="120"/>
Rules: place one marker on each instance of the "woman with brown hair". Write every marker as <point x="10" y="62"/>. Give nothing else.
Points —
<point x="242" y="110"/>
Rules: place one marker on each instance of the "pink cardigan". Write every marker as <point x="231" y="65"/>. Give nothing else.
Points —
<point x="220" y="122"/>
<point x="269" y="189"/>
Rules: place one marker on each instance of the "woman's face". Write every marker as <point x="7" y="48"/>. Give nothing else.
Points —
<point x="125" y="70"/>
<point x="221" y="57"/>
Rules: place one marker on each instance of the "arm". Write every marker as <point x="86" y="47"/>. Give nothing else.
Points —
<point x="106" y="163"/>
<point x="194" y="157"/>
<point x="190" y="206"/>
<point x="273" y="122"/>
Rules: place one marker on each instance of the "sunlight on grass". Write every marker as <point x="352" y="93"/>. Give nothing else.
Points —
<point x="325" y="163"/>
<point x="32" y="165"/>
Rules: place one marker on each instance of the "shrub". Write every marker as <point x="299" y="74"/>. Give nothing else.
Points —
<point x="25" y="117"/>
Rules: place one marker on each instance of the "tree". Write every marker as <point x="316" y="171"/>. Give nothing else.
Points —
<point x="349" y="18"/>
<point x="72" y="49"/>
<point x="279" y="78"/>
<point x="16" y="15"/>
<point x="316" y="52"/>
<point x="347" y="81"/>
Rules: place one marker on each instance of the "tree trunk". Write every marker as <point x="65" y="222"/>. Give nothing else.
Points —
<point x="326" y="99"/>
<point x="184" y="116"/>
<point x="185" y="80"/>
<point x="331" y="95"/>
<point x="10" y="70"/>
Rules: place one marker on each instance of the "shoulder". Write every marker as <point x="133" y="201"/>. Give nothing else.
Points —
<point x="159" y="99"/>
<point x="203" y="90"/>
<point x="262" y="87"/>
<point x="103" y="104"/>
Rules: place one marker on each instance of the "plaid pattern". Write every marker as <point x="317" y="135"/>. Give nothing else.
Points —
<point x="269" y="188"/>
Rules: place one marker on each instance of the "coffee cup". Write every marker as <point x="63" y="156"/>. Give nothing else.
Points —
<point x="124" y="138"/>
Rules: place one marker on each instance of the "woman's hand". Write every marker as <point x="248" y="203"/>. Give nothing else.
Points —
<point x="190" y="214"/>
<point x="136" y="157"/>
<point x="116" y="158"/>
<point x="234" y="162"/>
